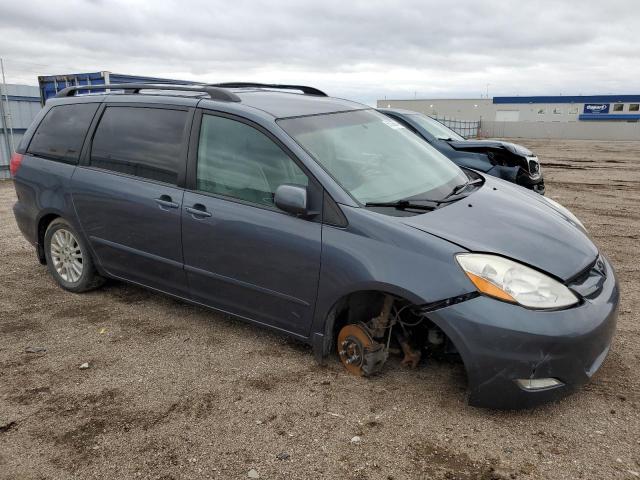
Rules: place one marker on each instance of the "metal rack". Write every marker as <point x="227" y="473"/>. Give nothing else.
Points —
<point x="215" y="93"/>
<point x="276" y="86"/>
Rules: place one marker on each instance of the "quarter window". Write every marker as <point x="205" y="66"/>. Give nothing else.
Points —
<point x="236" y="160"/>
<point x="62" y="131"/>
<point x="145" y="142"/>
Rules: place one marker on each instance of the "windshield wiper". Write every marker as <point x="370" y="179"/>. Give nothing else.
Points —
<point x="462" y="187"/>
<point x="405" y="203"/>
<point x="411" y="203"/>
<point x="402" y="205"/>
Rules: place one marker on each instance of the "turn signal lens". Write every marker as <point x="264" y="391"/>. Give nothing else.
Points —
<point x="489" y="288"/>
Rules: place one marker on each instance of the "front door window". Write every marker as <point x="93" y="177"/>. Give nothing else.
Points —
<point x="236" y="160"/>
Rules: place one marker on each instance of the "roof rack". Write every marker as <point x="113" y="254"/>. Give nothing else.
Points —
<point x="303" y="88"/>
<point x="215" y="92"/>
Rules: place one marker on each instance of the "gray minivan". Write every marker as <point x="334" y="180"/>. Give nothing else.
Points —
<point x="321" y="218"/>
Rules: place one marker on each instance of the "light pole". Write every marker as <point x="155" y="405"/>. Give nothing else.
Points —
<point x="6" y="121"/>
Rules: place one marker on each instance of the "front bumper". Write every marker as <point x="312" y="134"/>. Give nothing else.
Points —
<point x="532" y="183"/>
<point x="519" y="176"/>
<point x="539" y="187"/>
<point x="501" y="342"/>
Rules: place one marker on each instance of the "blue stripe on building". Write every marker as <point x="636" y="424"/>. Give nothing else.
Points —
<point x="570" y="99"/>
<point x="22" y="98"/>
<point x="609" y="116"/>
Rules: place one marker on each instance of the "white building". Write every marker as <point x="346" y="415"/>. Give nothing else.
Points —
<point x="607" y="117"/>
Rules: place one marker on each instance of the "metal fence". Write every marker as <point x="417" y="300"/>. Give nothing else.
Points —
<point x="19" y="104"/>
<point x="466" y="128"/>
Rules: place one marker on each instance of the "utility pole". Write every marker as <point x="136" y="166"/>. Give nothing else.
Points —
<point x="8" y="109"/>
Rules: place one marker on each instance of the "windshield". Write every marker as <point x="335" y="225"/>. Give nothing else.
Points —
<point x="435" y="128"/>
<point x="373" y="157"/>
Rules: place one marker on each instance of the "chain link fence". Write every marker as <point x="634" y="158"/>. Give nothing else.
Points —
<point x="466" y="128"/>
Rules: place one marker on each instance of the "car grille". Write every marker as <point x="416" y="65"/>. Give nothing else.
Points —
<point x="589" y="282"/>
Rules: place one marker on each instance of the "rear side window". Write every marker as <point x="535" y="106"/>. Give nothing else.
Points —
<point x="236" y="160"/>
<point x="145" y="142"/>
<point x="61" y="133"/>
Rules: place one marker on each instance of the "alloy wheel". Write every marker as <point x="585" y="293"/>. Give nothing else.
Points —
<point x="66" y="255"/>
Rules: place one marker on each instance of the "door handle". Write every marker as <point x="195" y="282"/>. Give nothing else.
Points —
<point x="198" y="210"/>
<point x="166" y="201"/>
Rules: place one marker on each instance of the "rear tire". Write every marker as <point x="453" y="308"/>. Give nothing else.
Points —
<point x="68" y="258"/>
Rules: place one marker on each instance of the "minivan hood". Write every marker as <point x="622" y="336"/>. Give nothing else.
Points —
<point x="508" y="220"/>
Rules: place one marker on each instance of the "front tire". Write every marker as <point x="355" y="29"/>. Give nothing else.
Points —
<point x="68" y="258"/>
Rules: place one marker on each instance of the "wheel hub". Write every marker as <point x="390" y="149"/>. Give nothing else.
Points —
<point x="358" y="352"/>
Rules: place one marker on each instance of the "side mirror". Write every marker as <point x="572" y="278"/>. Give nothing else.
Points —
<point x="291" y="199"/>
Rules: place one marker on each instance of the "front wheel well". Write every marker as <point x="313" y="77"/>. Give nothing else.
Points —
<point x="43" y="224"/>
<point x="355" y="307"/>
<point x="387" y="324"/>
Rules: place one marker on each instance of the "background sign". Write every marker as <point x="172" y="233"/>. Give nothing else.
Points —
<point x="596" y="108"/>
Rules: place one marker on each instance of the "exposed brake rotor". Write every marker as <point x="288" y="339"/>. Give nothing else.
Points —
<point x="359" y="353"/>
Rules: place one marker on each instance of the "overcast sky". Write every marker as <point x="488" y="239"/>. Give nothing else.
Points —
<point x="362" y="50"/>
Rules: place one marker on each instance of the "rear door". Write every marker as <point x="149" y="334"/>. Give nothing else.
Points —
<point x="242" y="254"/>
<point x="128" y="193"/>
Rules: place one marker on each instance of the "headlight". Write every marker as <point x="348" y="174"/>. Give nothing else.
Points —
<point x="513" y="282"/>
<point x="565" y="211"/>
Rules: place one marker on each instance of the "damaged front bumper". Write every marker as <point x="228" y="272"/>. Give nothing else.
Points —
<point x="535" y="183"/>
<point x="504" y="345"/>
<point x="519" y="176"/>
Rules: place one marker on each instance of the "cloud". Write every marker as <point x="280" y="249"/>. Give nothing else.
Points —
<point x="359" y="49"/>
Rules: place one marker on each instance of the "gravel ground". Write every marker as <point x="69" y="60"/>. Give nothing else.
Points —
<point x="175" y="391"/>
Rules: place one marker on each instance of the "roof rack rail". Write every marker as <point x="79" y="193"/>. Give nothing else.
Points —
<point x="303" y="88"/>
<point x="215" y="92"/>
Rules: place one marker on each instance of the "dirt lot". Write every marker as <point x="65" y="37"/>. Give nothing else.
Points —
<point x="175" y="391"/>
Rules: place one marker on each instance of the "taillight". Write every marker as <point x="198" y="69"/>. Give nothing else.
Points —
<point x="16" y="160"/>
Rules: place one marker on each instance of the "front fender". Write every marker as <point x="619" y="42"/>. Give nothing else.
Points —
<point x="378" y="253"/>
